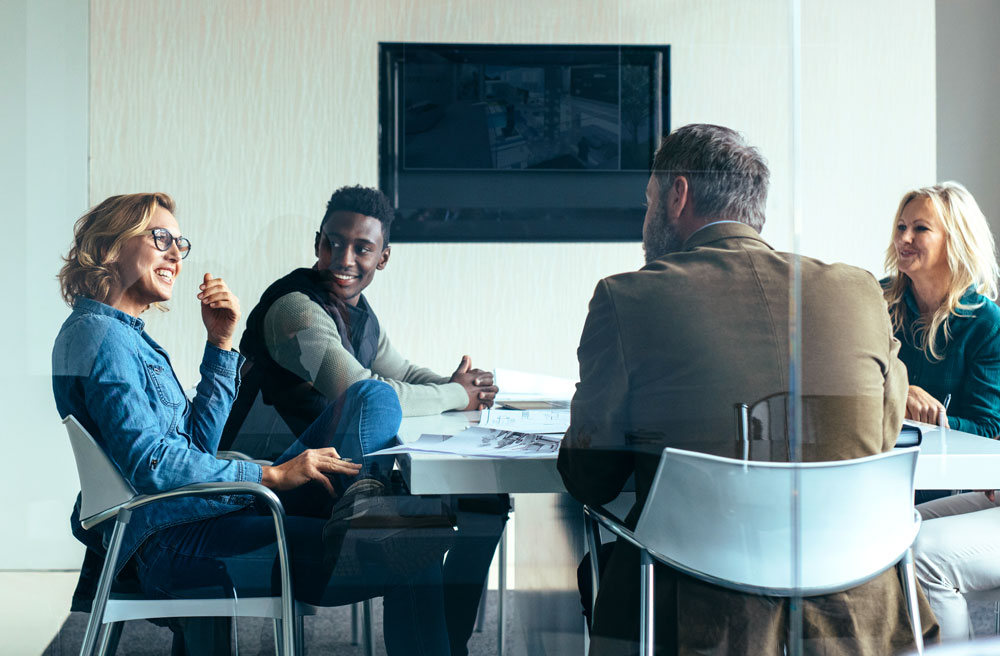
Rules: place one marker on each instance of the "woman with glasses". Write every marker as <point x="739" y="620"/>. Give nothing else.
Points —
<point x="119" y="383"/>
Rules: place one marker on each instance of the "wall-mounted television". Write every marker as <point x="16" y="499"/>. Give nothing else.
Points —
<point x="519" y="142"/>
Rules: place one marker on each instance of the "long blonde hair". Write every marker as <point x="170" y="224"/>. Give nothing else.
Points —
<point x="971" y="257"/>
<point x="98" y="239"/>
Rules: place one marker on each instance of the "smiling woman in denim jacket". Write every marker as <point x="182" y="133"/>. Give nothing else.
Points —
<point x="118" y="382"/>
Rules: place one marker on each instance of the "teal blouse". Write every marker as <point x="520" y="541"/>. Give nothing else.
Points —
<point x="970" y="370"/>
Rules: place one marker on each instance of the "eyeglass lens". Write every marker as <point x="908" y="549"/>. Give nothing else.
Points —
<point x="164" y="239"/>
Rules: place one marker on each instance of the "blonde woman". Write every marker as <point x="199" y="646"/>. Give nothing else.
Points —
<point x="941" y="292"/>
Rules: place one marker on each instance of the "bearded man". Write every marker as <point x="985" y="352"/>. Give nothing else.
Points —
<point x="666" y="353"/>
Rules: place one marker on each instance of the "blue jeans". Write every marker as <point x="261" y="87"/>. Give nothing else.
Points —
<point x="364" y="420"/>
<point x="235" y="554"/>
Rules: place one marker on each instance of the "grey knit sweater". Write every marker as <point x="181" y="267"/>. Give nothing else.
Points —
<point x="302" y="338"/>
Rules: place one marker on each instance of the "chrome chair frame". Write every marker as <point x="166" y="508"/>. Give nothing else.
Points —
<point x="597" y="517"/>
<point x="117" y="499"/>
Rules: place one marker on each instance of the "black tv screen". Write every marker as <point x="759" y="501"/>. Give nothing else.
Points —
<point x="519" y="142"/>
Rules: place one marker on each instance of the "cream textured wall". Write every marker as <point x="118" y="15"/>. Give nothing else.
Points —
<point x="869" y="124"/>
<point x="252" y="113"/>
<point x="968" y="94"/>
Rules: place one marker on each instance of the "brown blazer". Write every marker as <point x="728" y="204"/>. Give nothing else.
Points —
<point x="666" y="353"/>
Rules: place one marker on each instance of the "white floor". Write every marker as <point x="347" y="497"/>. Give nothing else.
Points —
<point x="33" y="605"/>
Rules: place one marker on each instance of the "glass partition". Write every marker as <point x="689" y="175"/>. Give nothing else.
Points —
<point x="758" y="331"/>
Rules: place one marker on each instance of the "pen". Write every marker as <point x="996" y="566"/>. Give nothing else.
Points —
<point x="942" y="419"/>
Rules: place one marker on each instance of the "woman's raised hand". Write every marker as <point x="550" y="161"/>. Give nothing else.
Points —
<point x="220" y="310"/>
<point x="310" y="465"/>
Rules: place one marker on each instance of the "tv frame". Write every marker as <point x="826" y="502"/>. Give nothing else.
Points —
<point x="586" y="222"/>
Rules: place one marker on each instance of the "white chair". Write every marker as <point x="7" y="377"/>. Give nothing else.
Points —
<point x="979" y="647"/>
<point x="738" y="525"/>
<point x="105" y="494"/>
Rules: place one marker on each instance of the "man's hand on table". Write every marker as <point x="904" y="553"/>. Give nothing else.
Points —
<point x="478" y="384"/>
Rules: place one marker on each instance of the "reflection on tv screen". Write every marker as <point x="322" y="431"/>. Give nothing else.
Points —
<point x="520" y="142"/>
<point x="482" y="116"/>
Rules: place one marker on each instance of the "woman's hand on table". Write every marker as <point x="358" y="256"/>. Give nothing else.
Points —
<point x="478" y="384"/>
<point x="921" y="406"/>
<point x="220" y="310"/>
<point x="990" y="495"/>
<point x="310" y="465"/>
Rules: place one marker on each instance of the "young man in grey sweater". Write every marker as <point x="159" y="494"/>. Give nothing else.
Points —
<point x="313" y="334"/>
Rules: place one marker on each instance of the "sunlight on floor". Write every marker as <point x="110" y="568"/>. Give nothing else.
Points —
<point x="33" y="605"/>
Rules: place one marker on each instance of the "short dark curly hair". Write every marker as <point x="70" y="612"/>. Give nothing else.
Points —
<point x="363" y="200"/>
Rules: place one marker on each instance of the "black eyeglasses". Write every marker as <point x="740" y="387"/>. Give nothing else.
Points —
<point x="164" y="240"/>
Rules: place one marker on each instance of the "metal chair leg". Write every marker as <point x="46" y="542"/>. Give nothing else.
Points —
<point x="300" y="630"/>
<point x="501" y="587"/>
<point x="647" y="612"/>
<point x="996" y="619"/>
<point x="910" y="592"/>
<point x="107" y="641"/>
<point x="592" y="533"/>
<point x="278" y="642"/>
<point x="298" y="640"/>
<point x="369" y="630"/>
<point x="481" y="613"/>
<point x="355" y="618"/>
<point x="94" y="624"/>
<point x="114" y="636"/>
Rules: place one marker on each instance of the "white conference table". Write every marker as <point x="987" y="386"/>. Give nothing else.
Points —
<point x="432" y="473"/>
<point x="549" y="536"/>
<point x="949" y="460"/>
<point x="953" y="460"/>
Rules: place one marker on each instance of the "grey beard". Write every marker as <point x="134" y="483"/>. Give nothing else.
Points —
<point x="660" y="239"/>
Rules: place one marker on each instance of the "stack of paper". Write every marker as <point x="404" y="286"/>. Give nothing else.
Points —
<point x="484" y="443"/>
<point x="526" y="421"/>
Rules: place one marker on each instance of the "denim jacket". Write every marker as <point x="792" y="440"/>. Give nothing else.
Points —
<point x="118" y="382"/>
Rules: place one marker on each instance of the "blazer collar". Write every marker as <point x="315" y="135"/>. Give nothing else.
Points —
<point x="717" y="232"/>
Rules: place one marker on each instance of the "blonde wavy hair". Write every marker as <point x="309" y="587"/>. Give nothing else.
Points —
<point x="98" y="239"/>
<point x="971" y="257"/>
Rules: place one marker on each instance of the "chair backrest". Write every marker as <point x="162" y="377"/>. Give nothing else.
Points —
<point x="744" y="525"/>
<point x="102" y="488"/>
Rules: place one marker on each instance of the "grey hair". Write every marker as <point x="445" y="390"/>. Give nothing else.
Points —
<point x="727" y="177"/>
